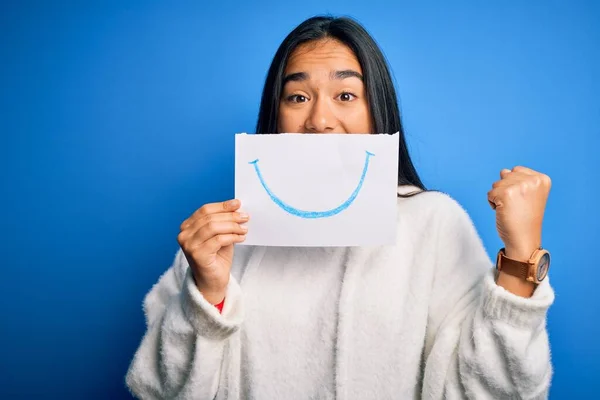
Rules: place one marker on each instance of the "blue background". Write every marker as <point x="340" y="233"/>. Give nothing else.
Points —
<point x="117" y="122"/>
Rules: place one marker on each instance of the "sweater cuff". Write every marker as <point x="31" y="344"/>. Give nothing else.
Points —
<point x="500" y="304"/>
<point x="205" y="317"/>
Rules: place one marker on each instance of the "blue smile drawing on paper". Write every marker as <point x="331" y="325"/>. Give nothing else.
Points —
<point x="314" y="214"/>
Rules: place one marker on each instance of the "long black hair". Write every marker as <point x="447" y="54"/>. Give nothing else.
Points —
<point x="381" y="95"/>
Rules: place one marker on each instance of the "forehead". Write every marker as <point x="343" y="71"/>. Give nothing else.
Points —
<point x="326" y="54"/>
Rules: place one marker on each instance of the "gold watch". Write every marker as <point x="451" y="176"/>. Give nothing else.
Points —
<point x="533" y="270"/>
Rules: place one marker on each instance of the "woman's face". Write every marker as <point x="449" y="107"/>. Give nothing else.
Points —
<point x="323" y="91"/>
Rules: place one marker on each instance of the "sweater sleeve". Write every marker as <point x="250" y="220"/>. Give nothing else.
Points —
<point x="482" y="341"/>
<point x="184" y="346"/>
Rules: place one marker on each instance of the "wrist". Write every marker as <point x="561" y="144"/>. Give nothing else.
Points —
<point x="522" y="253"/>
<point x="515" y="285"/>
<point x="213" y="295"/>
<point x="213" y="298"/>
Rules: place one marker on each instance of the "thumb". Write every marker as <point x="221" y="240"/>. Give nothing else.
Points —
<point x="504" y="173"/>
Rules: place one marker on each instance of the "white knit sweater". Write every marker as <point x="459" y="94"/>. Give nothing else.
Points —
<point x="420" y="319"/>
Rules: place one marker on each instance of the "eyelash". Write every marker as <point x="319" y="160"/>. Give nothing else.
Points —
<point x="293" y="98"/>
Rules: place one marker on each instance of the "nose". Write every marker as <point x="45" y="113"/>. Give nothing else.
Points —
<point x="321" y="118"/>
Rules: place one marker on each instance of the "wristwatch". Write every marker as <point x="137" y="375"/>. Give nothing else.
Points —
<point x="533" y="270"/>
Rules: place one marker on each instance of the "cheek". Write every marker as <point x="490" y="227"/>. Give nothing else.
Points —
<point x="357" y="120"/>
<point x="289" y="121"/>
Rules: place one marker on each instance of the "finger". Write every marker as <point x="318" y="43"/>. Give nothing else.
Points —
<point x="511" y="178"/>
<point x="507" y="178"/>
<point x="192" y="227"/>
<point x="214" y="244"/>
<point x="500" y="183"/>
<point x="212" y="229"/>
<point x="219" y="217"/>
<point x="494" y="198"/>
<point x="508" y="181"/>
<point x="524" y="170"/>
<point x="212" y="208"/>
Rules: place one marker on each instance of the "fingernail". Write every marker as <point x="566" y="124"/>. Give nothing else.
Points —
<point x="244" y="228"/>
<point x="244" y="216"/>
<point x="232" y="203"/>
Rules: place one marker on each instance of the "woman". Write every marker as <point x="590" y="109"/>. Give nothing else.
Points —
<point x="429" y="317"/>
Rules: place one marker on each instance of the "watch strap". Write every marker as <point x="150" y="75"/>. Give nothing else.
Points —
<point x="514" y="268"/>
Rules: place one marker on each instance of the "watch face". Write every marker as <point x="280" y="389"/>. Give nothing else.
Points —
<point x="543" y="266"/>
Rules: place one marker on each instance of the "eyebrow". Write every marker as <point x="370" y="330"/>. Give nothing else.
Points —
<point x="295" y="77"/>
<point x="347" y="73"/>
<point x="335" y="75"/>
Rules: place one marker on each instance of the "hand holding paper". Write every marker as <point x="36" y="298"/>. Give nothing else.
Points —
<point x="206" y="239"/>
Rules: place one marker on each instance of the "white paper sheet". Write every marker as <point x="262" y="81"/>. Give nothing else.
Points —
<point x="318" y="189"/>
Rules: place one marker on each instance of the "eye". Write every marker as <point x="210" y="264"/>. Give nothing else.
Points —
<point x="296" y="98"/>
<point x="346" y="96"/>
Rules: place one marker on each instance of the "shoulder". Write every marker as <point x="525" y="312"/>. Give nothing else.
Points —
<point x="428" y="206"/>
<point x="441" y="222"/>
<point x="437" y="216"/>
